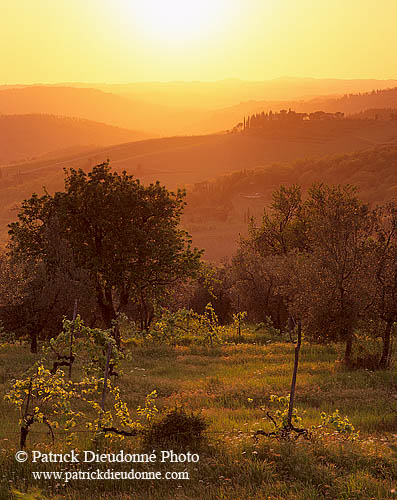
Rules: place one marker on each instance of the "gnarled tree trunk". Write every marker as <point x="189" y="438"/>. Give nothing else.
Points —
<point x="348" y="350"/>
<point x="385" y="358"/>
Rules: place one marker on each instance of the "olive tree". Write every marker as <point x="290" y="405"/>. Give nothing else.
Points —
<point x="331" y="275"/>
<point x="383" y="282"/>
<point x="123" y="235"/>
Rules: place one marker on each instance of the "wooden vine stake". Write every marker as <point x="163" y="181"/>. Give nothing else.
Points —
<point x="114" y="430"/>
<point x="294" y="374"/>
<point x="27" y="420"/>
<point x="106" y="376"/>
<point x="71" y="339"/>
<point x="287" y="429"/>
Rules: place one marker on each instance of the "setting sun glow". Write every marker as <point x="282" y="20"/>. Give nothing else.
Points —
<point x="178" y="20"/>
<point x="195" y="40"/>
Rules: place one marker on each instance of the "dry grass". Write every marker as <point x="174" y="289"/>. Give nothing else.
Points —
<point x="218" y="382"/>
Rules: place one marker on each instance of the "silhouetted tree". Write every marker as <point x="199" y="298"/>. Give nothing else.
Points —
<point x="125" y="236"/>
<point x="331" y="272"/>
<point x="384" y="276"/>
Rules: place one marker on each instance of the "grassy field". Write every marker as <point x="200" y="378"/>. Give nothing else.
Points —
<point x="220" y="382"/>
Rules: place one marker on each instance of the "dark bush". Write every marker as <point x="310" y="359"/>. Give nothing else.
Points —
<point x="178" y="428"/>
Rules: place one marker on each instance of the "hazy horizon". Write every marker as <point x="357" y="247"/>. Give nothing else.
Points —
<point x="130" y="41"/>
<point x="203" y="81"/>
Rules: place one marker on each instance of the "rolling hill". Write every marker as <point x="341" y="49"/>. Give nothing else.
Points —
<point x="349" y="104"/>
<point x="172" y="108"/>
<point x="157" y="118"/>
<point x="220" y="94"/>
<point x="24" y="136"/>
<point x="192" y="161"/>
<point x="85" y="103"/>
<point x="218" y="210"/>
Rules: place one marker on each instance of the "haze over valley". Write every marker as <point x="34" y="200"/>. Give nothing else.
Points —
<point x="42" y="145"/>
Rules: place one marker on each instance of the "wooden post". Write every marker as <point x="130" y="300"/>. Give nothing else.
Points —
<point x="238" y="318"/>
<point x="293" y="382"/>
<point x="71" y="339"/>
<point x="26" y="422"/>
<point x="106" y="376"/>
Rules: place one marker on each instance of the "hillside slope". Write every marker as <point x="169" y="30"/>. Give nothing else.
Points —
<point x="218" y="210"/>
<point x="24" y="136"/>
<point x="187" y="160"/>
<point x="86" y="103"/>
<point x="192" y="107"/>
<point x="222" y="93"/>
<point x="191" y="161"/>
<point x="349" y="104"/>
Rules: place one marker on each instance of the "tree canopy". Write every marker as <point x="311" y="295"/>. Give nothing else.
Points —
<point x="124" y="235"/>
<point x="329" y="261"/>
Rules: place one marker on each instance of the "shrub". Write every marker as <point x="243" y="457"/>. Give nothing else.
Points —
<point x="185" y="327"/>
<point x="367" y="347"/>
<point x="176" y="427"/>
<point x="6" y="337"/>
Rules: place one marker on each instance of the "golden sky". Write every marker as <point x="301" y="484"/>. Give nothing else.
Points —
<point x="51" y="41"/>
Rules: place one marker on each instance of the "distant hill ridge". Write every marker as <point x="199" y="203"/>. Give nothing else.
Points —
<point x="25" y="135"/>
<point x="86" y="103"/>
<point x="349" y="104"/>
<point x="172" y="108"/>
<point x="186" y="161"/>
<point x="218" y="210"/>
